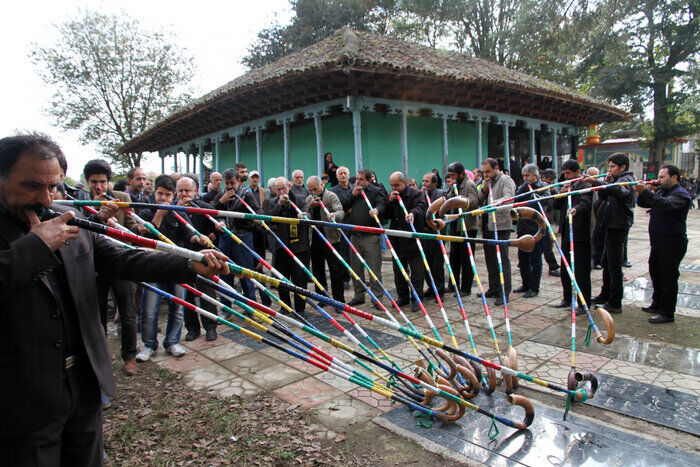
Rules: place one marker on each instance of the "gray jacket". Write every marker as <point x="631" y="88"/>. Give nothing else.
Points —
<point x="467" y="189"/>
<point x="503" y="187"/>
<point x="332" y="202"/>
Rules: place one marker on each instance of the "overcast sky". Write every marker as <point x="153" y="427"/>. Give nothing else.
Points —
<point x="216" y="33"/>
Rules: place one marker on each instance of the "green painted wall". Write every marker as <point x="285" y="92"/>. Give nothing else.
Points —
<point x="381" y="144"/>
<point x="302" y="150"/>
<point x="424" y="146"/>
<point x="338" y="139"/>
<point x="461" y="143"/>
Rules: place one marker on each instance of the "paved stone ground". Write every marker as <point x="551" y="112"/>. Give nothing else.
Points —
<point x="540" y="333"/>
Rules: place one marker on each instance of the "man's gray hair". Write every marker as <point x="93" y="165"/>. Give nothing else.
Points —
<point x="314" y="178"/>
<point x="531" y="169"/>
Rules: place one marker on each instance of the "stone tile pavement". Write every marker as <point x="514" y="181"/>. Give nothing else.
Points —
<point x="541" y="334"/>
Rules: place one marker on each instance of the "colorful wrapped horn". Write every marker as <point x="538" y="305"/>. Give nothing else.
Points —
<point x="609" y="327"/>
<point x="527" y="406"/>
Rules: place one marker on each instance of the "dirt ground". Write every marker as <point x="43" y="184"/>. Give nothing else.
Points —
<point x="156" y="420"/>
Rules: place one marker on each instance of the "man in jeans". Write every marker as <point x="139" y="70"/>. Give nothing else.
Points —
<point x="168" y="225"/>
<point x="98" y="174"/>
<point x="617" y="222"/>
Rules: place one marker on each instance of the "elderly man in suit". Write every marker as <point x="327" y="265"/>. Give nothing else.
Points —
<point x="53" y="350"/>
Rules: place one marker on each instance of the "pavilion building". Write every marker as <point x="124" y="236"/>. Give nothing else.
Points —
<point x="377" y="102"/>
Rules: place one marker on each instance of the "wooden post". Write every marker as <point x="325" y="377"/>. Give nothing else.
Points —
<point x="357" y="133"/>
<point x="285" y="131"/>
<point x="258" y="150"/>
<point x="162" y="162"/>
<point x="319" y="143"/>
<point x="479" y="144"/>
<point x="217" y="155"/>
<point x="237" y="140"/>
<point x="506" y="148"/>
<point x="201" y="167"/>
<point x="187" y="162"/>
<point x="404" y="143"/>
<point x="445" y="155"/>
<point x="555" y="157"/>
<point x="533" y="157"/>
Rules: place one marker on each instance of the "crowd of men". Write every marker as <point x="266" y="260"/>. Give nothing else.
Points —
<point x="32" y="169"/>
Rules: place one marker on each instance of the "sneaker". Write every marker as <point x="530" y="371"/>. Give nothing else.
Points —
<point x="211" y="335"/>
<point x="130" y="367"/>
<point x="106" y="401"/>
<point x="176" y="350"/>
<point x="145" y="354"/>
<point x="191" y="335"/>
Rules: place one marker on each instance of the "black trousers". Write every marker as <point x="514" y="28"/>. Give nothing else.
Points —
<point x="436" y="262"/>
<point x="74" y="436"/>
<point x="125" y="296"/>
<point x="549" y="256"/>
<point x="192" y="318"/>
<point x="492" y="262"/>
<point x="344" y="250"/>
<point x="582" y="266"/>
<point x="415" y="269"/>
<point x="530" y="265"/>
<point x="461" y="267"/>
<point x="612" y="266"/>
<point x="322" y="255"/>
<point x="259" y="248"/>
<point x="291" y="270"/>
<point x="663" y="269"/>
<point x="598" y="244"/>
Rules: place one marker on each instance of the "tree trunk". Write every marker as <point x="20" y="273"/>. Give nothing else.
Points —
<point x="661" y="121"/>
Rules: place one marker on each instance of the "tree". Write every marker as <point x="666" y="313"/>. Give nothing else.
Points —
<point x="112" y="79"/>
<point x="649" y="59"/>
<point x="315" y="20"/>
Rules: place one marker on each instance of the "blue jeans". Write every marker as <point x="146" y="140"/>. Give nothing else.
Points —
<point x="241" y="256"/>
<point x="149" y="317"/>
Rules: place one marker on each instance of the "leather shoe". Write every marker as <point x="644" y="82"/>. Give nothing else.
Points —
<point x="600" y="298"/>
<point x="499" y="300"/>
<point x="563" y="304"/>
<point x="130" y="367"/>
<point x="555" y="272"/>
<point x="191" y="335"/>
<point x="611" y="308"/>
<point x="356" y="301"/>
<point x="415" y="307"/>
<point x="530" y="293"/>
<point x="465" y="292"/>
<point x="211" y="335"/>
<point x="492" y="293"/>
<point x="650" y="309"/>
<point x="580" y="311"/>
<point x="521" y="289"/>
<point x="429" y="292"/>
<point x="626" y="264"/>
<point x="656" y="319"/>
<point x="403" y="301"/>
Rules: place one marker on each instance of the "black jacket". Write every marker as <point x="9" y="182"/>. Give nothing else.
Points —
<point x="32" y="357"/>
<point x="236" y="205"/>
<point x="582" y="220"/>
<point x="416" y="204"/>
<point x="295" y="236"/>
<point x="344" y="195"/>
<point x="619" y="212"/>
<point x="526" y="226"/>
<point x="668" y="214"/>
<point x="358" y="213"/>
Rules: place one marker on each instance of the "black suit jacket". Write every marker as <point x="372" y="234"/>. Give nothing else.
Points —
<point x="31" y="354"/>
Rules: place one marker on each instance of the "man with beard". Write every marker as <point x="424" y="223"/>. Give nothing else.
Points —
<point x="459" y="254"/>
<point x="54" y="350"/>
